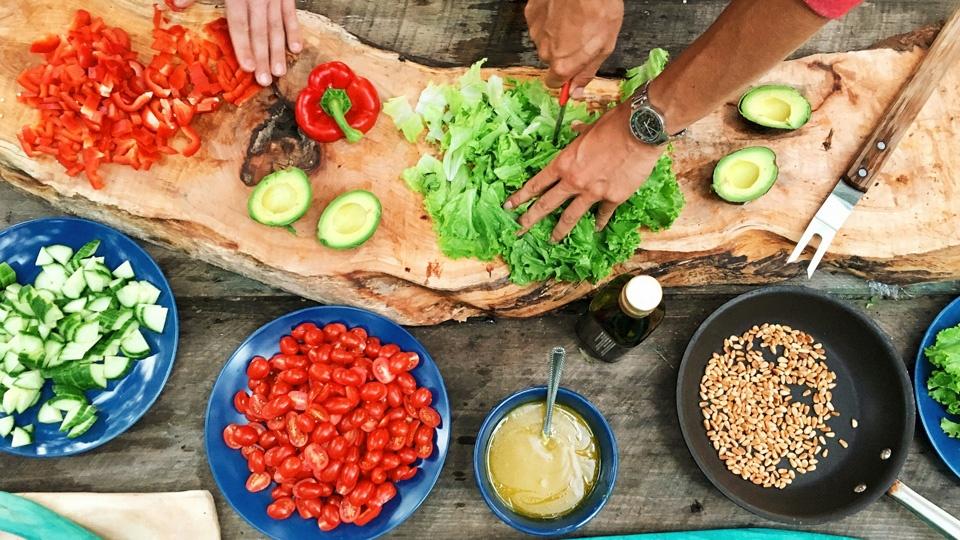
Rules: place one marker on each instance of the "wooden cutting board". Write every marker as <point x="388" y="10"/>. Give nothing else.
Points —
<point x="907" y="228"/>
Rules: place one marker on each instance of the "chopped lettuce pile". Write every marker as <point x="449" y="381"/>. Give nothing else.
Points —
<point x="944" y="381"/>
<point x="494" y="135"/>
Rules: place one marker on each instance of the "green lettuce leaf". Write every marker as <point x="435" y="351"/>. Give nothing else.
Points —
<point x="640" y="75"/>
<point x="406" y="120"/>
<point x="493" y="135"/>
<point x="943" y="384"/>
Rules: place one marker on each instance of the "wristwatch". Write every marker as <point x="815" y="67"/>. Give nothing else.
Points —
<point x="647" y="123"/>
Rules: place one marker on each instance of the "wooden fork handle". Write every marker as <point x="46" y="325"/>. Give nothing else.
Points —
<point x="944" y="53"/>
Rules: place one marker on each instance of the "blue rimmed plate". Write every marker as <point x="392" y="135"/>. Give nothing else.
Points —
<point x="230" y="468"/>
<point x="125" y="400"/>
<point x="930" y="411"/>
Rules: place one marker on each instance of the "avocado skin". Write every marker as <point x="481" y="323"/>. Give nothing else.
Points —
<point x="796" y="99"/>
<point x="768" y="169"/>
<point x="372" y="224"/>
<point x="288" y="175"/>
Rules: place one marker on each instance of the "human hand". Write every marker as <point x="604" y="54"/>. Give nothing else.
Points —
<point x="605" y="165"/>
<point x="261" y="32"/>
<point x="574" y="37"/>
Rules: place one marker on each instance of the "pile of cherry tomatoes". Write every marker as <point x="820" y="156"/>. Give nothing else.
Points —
<point x="335" y="420"/>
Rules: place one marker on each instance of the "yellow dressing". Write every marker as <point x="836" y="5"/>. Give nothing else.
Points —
<point x="541" y="477"/>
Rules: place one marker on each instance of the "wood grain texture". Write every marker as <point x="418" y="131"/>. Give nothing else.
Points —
<point x="900" y="115"/>
<point x="401" y="273"/>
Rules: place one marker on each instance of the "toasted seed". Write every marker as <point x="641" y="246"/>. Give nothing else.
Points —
<point x="843" y="443"/>
<point x="854" y="423"/>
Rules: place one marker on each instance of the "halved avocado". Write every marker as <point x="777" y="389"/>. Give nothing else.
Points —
<point x="775" y="106"/>
<point x="349" y="220"/>
<point x="746" y="174"/>
<point x="281" y="198"/>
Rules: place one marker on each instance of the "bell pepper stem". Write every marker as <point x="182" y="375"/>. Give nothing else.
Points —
<point x="336" y="103"/>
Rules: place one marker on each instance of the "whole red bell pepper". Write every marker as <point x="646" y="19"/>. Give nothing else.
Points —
<point x="337" y="104"/>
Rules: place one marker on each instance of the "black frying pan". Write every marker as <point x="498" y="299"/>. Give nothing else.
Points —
<point x="872" y="386"/>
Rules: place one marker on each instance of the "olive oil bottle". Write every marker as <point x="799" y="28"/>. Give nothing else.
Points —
<point x="621" y="315"/>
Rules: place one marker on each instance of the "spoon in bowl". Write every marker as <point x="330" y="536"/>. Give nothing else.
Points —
<point x="557" y="357"/>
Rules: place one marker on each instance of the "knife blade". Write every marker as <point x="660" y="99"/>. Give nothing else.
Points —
<point x="564" y="98"/>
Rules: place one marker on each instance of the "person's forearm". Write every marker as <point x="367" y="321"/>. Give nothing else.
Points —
<point x="748" y="39"/>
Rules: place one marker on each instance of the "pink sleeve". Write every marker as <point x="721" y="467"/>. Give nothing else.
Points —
<point x="832" y="9"/>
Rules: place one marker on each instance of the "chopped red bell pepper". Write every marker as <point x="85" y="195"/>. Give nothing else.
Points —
<point x="45" y="44"/>
<point x="337" y="103"/>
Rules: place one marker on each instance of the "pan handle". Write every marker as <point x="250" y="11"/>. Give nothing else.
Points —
<point x="933" y="515"/>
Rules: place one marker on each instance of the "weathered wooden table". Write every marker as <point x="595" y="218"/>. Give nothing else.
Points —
<point x="659" y="487"/>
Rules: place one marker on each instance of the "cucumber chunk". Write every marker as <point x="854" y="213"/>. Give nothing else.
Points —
<point x="115" y="367"/>
<point x="51" y="278"/>
<point x="152" y="316"/>
<point x="74" y="286"/>
<point x="82" y="427"/>
<point x="129" y="295"/>
<point x="29" y="380"/>
<point x="48" y="414"/>
<point x="61" y="254"/>
<point x="7" y="275"/>
<point x="135" y="346"/>
<point x="43" y="258"/>
<point x="148" y="293"/>
<point x="124" y="271"/>
<point x="21" y="437"/>
<point x="6" y="425"/>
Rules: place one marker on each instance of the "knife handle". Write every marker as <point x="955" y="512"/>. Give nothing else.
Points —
<point x="943" y="54"/>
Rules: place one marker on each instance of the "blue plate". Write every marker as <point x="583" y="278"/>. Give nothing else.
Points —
<point x="230" y="468"/>
<point x="126" y="400"/>
<point x="930" y="411"/>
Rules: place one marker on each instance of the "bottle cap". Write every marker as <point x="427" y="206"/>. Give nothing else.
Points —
<point x="640" y="296"/>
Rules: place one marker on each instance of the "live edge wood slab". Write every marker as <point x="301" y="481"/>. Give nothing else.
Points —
<point x="905" y="230"/>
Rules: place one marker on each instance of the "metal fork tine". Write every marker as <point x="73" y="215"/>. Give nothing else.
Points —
<point x="803" y="242"/>
<point x="825" y="239"/>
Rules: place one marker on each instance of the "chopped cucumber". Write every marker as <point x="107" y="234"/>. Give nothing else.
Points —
<point x="67" y="403"/>
<point x="152" y="316"/>
<point x="6" y="425"/>
<point x="124" y="271"/>
<point x="75" y="306"/>
<point x="148" y="293"/>
<point x="129" y="295"/>
<point x="51" y="278"/>
<point x="29" y="380"/>
<point x="87" y="333"/>
<point x="21" y="437"/>
<point x="74" y="286"/>
<point x="87" y="250"/>
<point x="115" y="367"/>
<point x="59" y="253"/>
<point x="96" y="280"/>
<point x="48" y="414"/>
<point x="82" y="427"/>
<point x="77" y="416"/>
<point x="43" y="258"/>
<point x="75" y="351"/>
<point x="101" y="304"/>
<point x="7" y="275"/>
<point x="10" y="399"/>
<point x="135" y="346"/>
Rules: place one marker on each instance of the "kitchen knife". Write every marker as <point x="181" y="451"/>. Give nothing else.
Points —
<point x="943" y="54"/>
<point x="564" y="98"/>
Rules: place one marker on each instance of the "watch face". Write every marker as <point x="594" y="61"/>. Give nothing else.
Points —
<point x="647" y="126"/>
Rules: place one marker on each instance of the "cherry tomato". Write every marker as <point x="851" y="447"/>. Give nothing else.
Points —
<point x="360" y="333"/>
<point x="407" y="455"/>
<point x="283" y="490"/>
<point x="315" y="457"/>
<point x="349" y="475"/>
<point x="407" y="383"/>
<point x="255" y="405"/>
<point x="255" y="461"/>
<point x="398" y="363"/>
<point x="429" y="417"/>
<point x="399" y="428"/>
<point x="307" y="488"/>
<point x="320" y="372"/>
<point x="333" y="330"/>
<point x="246" y="435"/>
<point x="281" y="508"/>
<point x="324" y="432"/>
<point x="300" y="331"/>
<point x="353" y="455"/>
<point x="378" y="438"/>
<point x="373" y="348"/>
<point x="409" y="408"/>
<point x="388" y="350"/>
<point x="268" y="440"/>
<point x="280" y="388"/>
<point x="394" y="396"/>
<point x="370" y="460"/>
<point x="421" y="398"/>
<point x="348" y="511"/>
<point x="403" y="472"/>
<point x="347" y="377"/>
<point x="230" y="436"/>
<point x="289" y="345"/>
<point x="240" y="400"/>
<point x="313" y="338"/>
<point x="295" y="376"/>
<point x="295" y="435"/>
<point x="276" y="424"/>
<point x="385" y="492"/>
<point x="275" y="456"/>
<point x="258" y="368"/>
<point x="329" y="518"/>
<point x="424" y="435"/>
<point x="382" y="371"/>
<point x="369" y="514"/>
<point x="378" y="475"/>
<point x="332" y="472"/>
<point x="277" y="406"/>
<point x="425" y="450"/>
<point x="375" y="409"/>
<point x="341" y="356"/>
<point x="362" y="492"/>
<point x="412" y="433"/>
<point x="290" y="467"/>
<point x="372" y="391"/>
<point x="338" y="447"/>
<point x="338" y="405"/>
<point x="362" y="370"/>
<point x="413" y="360"/>
<point x="390" y="461"/>
<point x="311" y="507"/>
<point x="350" y="341"/>
<point x="306" y="423"/>
<point x="258" y="482"/>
